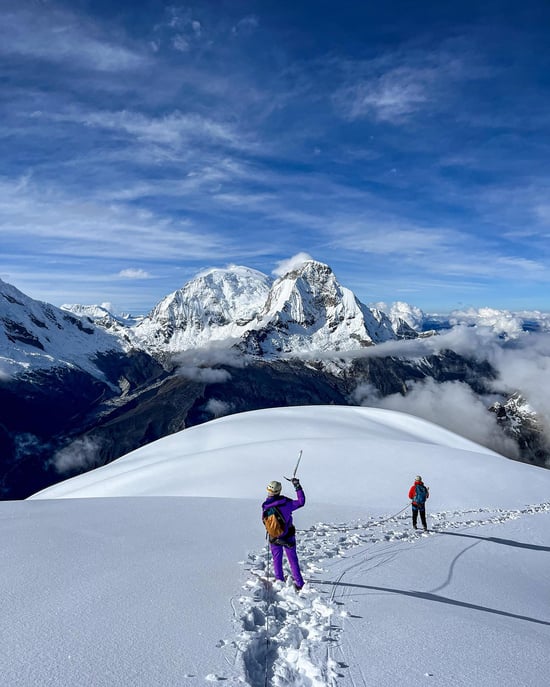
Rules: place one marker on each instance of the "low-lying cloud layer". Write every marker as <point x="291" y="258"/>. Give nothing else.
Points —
<point x="78" y="456"/>
<point x="522" y="365"/>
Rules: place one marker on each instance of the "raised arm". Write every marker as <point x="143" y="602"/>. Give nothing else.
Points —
<point x="300" y="499"/>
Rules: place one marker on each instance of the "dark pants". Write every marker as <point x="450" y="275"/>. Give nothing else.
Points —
<point x="422" y="510"/>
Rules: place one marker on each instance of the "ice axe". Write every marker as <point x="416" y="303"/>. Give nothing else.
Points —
<point x="295" y="469"/>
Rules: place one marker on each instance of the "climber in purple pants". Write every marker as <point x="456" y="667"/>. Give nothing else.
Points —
<point x="287" y="540"/>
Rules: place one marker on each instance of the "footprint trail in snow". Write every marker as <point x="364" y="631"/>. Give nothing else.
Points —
<point x="288" y="638"/>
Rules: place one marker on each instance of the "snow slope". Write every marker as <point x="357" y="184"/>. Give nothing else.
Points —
<point x="385" y="447"/>
<point x="36" y="335"/>
<point x="177" y="590"/>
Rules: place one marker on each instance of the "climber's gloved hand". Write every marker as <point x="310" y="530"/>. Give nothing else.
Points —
<point x="296" y="483"/>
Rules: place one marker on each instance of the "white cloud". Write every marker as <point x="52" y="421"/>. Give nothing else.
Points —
<point x="293" y="263"/>
<point x="395" y="237"/>
<point x="389" y="97"/>
<point x="500" y="321"/>
<point x="174" y="129"/>
<point x="206" y="375"/>
<point x="50" y="33"/>
<point x="395" y="85"/>
<point x="522" y="365"/>
<point x="133" y="273"/>
<point x="4" y="374"/>
<point x="452" y="405"/>
<point x="67" y="226"/>
<point x="431" y="250"/>
<point x="204" y="365"/>
<point x="218" y="408"/>
<point x="79" y="456"/>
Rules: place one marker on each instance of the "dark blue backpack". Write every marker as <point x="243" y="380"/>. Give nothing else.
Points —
<point x="420" y="495"/>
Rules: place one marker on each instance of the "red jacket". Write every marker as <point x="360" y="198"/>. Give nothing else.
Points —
<point x="412" y="491"/>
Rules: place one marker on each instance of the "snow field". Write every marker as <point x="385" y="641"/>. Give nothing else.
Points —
<point x="132" y="592"/>
<point x="298" y="639"/>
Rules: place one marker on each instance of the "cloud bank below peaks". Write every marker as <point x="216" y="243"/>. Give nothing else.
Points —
<point x="522" y="365"/>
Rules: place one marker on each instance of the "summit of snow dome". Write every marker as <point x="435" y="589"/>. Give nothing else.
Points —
<point x="350" y="456"/>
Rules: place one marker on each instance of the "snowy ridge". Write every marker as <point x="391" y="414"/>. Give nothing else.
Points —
<point x="304" y="310"/>
<point x="400" y="312"/>
<point x="38" y="335"/>
<point x="103" y="315"/>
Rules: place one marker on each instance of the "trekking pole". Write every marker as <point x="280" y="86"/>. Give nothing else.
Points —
<point x="268" y="603"/>
<point x="296" y="468"/>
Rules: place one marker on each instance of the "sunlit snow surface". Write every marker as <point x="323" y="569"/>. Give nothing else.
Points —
<point x="178" y="591"/>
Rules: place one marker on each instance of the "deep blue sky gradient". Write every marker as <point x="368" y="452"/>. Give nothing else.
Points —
<point x="405" y="144"/>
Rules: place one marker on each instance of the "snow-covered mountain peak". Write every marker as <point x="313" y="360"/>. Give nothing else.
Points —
<point x="215" y="305"/>
<point x="302" y="292"/>
<point x="233" y="290"/>
<point x="37" y="335"/>
<point x="308" y="310"/>
<point x="400" y="312"/>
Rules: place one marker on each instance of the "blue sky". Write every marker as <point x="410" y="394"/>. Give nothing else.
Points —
<point x="405" y="144"/>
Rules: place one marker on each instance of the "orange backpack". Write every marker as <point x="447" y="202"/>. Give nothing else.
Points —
<point x="274" y="522"/>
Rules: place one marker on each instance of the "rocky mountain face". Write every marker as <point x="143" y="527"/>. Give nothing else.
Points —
<point x="37" y="335"/>
<point x="78" y="391"/>
<point x="56" y="370"/>
<point x="307" y="310"/>
<point x="303" y="311"/>
<point x="520" y="422"/>
<point x="43" y="409"/>
<point x="184" y="400"/>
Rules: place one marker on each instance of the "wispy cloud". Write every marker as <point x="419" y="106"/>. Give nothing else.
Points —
<point x="393" y="86"/>
<point x="186" y="132"/>
<point x="173" y="130"/>
<point x="388" y="97"/>
<point x="296" y="261"/>
<point x="47" y="32"/>
<point x="180" y="28"/>
<point x="61" y="225"/>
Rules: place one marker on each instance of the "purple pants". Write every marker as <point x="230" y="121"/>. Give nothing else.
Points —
<point x="292" y="557"/>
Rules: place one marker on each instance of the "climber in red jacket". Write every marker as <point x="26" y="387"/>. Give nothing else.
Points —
<point x="418" y="494"/>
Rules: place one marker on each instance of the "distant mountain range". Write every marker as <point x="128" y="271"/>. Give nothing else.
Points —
<point x="81" y="385"/>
